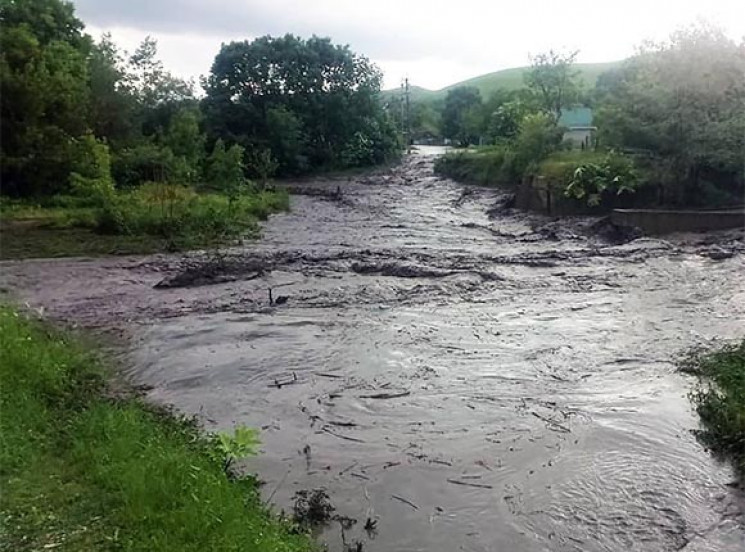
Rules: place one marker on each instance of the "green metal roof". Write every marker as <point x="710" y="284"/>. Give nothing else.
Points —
<point x="576" y="117"/>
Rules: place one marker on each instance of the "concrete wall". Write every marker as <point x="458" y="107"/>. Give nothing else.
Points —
<point x="656" y="221"/>
<point x="540" y="195"/>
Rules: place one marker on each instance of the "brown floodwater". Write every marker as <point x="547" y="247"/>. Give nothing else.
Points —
<point x="472" y="377"/>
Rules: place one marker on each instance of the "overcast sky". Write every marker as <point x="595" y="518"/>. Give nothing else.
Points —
<point x="434" y="43"/>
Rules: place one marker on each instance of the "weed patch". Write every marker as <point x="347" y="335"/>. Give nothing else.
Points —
<point x="719" y="398"/>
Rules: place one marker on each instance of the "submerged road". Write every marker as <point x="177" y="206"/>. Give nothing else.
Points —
<point x="472" y="377"/>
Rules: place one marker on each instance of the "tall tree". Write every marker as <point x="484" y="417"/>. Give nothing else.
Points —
<point x="151" y="82"/>
<point x="554" y="81"/>
<point x="113" y="106"/>
<point x="323" y="93"/>
<point x="45" y="93"/>
<point x="461" y="115"/>
<point x="682" y="101"/>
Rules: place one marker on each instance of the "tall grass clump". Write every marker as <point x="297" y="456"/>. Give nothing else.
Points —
<point x="719" y="398"/>
<point x="184" y="217"/>
<point x="82" y="470"/>
<point x="492" y="166"/>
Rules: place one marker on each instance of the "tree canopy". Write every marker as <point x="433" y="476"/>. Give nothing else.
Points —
<point x="553" y="81"/>
<point x="305" y="100"/>
<point x="683" y="102"/>
<point x="291" y="104"/>
<point x="461" y="116"/>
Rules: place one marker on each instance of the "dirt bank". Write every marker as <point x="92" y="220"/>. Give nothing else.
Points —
<point x="475" y="377"/>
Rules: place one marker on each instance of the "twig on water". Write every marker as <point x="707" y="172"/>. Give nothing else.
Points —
<point x="405" y="501"/>
<point x="386" y="395"/>
<point x="327" y="430"/>
<point x="468" y="484"/>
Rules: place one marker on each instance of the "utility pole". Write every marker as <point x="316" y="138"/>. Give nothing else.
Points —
<point x="407" y="116"/>
<point x="403" y="111"/>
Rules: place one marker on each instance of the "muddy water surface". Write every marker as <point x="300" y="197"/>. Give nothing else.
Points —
<point x="471" y="377"/>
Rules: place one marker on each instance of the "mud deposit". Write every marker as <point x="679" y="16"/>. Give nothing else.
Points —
<point x="471" y="377"/>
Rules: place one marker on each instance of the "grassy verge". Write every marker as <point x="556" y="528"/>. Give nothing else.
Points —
<point x="501" y="166"/>
<point x="81" y="471"/>
<point x="486" y="166"/>
<point x="151" y="218"/>
<point x="719" y="399"/>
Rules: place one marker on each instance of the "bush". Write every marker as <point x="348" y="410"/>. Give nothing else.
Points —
<point x="720" y="398"/>
<point x="614" y="174"/>
<point x="493" y="166"/>
<point x="91" y="180"/>
<point x="146" y="162"/>
<point x="184" y="218"/>
<point x="537" y="137"/>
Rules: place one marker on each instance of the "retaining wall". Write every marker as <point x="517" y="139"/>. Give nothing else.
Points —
<point x="657" y="221"/>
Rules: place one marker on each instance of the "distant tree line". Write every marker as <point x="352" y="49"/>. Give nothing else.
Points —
<point x="677" y="107"/>
<point x="70" y="105"/>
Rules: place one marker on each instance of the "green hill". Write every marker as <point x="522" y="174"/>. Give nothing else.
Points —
<point x="509" y="79"/>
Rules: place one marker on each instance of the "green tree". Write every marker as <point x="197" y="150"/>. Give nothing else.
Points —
<point x="45" y="93"/>
<point x="91" y="165"/>
<point x="330" y="92"/>
<point x="113" y="107"/>
<point x="286" y="139"/>
<point x="225" y="169"/>
<point x="554" y="81"/>
<point x="683" y="102"/>
<point x="537" y="137"/>
<point x="460" y="117"/>
<point x="151" y="82"/>
<point x="184" y="138"/>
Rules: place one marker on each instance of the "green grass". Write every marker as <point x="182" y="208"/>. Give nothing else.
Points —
<point x="506" y="79"/>
<point x="719" y="399"/>
<point x="81" y="471"/>
<point x="151" y="218"/>
<point x="560" y="165"/>
<point x="487" y="166"/>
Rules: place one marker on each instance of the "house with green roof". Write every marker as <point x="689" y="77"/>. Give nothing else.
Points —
<point x="578" y="124"/>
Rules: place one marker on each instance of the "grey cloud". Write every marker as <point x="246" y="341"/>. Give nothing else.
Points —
<point x="249" y="18"/>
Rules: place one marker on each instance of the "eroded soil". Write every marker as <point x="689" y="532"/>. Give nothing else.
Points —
<point x="471" y="377"/>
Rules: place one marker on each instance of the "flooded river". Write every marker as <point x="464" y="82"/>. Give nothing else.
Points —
<point x="471" y="377"/>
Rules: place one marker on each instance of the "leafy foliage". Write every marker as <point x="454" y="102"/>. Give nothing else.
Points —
<point x="184" y="218"/>
<point x="241" y="444"/>
<point x="91" y="176"/>
<point x="720" y="398"/>
<point x="554" y="81"/>
<point x="44" y="81"/>
<point x="461" y="115"/>
<point x="537" y="137"/>
<point x="303" y="100"/>
<point x="683" y="102"/>
<point x="614" y="174"/>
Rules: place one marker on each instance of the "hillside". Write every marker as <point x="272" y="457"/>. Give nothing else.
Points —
<point x="509" y="79"/>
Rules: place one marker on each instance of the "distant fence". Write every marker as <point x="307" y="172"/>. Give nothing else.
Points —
<point x="658" y="221"/>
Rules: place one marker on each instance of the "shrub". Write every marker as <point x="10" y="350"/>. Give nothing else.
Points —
<point x="720" y="398"/>
<point x="591" y="181"/>
<point x="493" y="166"/>
<point x="184" y="218"/>
<point x="91" y="179"/>
<point x="225" y="169"/>
<point x="146" y="162"/>
<point x="537" y="137"/>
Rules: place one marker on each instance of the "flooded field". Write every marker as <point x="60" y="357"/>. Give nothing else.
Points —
<point x="471" y="377"/>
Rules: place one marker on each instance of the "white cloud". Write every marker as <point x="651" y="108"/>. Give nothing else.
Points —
<point x="433" y="42"/>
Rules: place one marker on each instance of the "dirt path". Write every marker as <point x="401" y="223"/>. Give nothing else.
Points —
<point x="475" y="378"/>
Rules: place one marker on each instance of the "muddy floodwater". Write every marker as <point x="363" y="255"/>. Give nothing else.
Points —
<point x="472" y="377"/>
